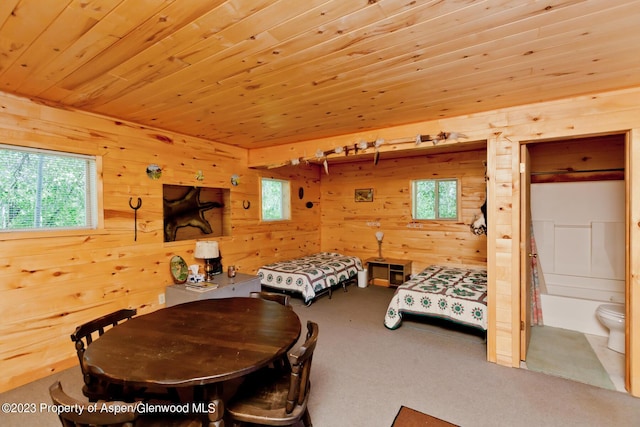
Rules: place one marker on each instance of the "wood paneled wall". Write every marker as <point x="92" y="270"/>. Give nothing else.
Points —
<point x="349" y="226"/>
<point x="52" y="284"/>
<point x="55" y="281"/>
<point x="595" y="158"/>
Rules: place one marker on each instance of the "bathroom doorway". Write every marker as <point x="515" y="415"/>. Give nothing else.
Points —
<point x="561" y="175"/>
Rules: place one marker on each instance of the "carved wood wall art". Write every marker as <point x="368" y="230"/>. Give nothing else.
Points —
<point x="187" y="211"/>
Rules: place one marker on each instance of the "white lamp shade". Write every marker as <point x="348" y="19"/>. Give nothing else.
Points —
<point x="379" y="236"/>
<point x="206" y="249"/>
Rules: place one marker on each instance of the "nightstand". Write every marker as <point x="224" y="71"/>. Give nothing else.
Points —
<point x="240" y="286"/>
<point x="389" y="271"/>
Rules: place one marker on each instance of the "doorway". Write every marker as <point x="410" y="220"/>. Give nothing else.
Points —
<point x="560" y="170"/>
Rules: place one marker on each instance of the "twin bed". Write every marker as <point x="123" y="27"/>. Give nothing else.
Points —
<point x="453" y="293"/>
<point x="456" y="294"/>
<point x="312" y="275"/>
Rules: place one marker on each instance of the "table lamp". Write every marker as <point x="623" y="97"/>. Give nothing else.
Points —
<point x="379" y="236"/>
<point x="208" y="251"/>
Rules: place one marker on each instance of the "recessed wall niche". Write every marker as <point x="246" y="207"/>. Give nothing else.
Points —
<point x="192" y="212"/>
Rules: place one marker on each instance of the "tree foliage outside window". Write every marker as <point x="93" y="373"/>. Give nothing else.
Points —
<point x="42" y="190"/>
<point x="435" y="199"/>
<point x="275" y="200"/>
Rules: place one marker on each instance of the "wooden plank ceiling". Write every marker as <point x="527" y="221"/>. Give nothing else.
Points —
<point x="259" y="73"/>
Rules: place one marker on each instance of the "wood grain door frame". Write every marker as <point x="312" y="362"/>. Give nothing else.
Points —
<point x="525" y="251"/>
<point x="632" y="281"/>
<point x="632" y="261"/>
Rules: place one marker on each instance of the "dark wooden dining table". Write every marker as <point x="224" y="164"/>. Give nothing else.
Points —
<point x="198" y="344"/>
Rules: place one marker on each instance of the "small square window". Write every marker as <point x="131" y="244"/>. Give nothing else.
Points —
<point x="434" y="199"/>
<point x="47" y="190"/>
<point x="276" y="199"/>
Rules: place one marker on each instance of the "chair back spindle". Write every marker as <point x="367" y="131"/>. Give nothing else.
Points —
<point x="301" y="368"/>
<point x="85" y="334"/>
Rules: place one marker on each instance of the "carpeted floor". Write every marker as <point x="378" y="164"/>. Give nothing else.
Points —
<point x="566" y="354"/>
<point x="363" y="373"/>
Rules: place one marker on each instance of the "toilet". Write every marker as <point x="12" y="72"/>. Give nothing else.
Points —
<point x="612" y="316"/>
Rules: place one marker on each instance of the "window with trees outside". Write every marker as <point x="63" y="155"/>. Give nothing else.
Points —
<point x="46" y="190"/>
<point x="276" y="200"/>
<point x="435" y="199"/>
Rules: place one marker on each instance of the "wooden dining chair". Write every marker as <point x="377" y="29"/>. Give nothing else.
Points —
<point x="83" y="336"/>
<point x="274" y="397"/>
<point x="84" y="417"/>
<point x="97" y="389"/>
<point x="112" y="413"/>
<point x="283" y="299"/>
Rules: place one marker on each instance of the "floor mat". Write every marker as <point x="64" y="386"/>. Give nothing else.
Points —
<point x="566" y="354"/>
<point x="408" y="417"/>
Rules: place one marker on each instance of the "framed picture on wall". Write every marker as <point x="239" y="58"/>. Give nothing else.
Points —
<point x="364" y="195"/>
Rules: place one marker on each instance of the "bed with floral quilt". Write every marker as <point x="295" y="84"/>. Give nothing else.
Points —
<point x="311" y="275"/>
<point x="457" y="294"/>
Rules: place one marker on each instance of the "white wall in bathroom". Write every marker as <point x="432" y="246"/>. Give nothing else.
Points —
<point x="578" y="202"/>
<point x="579" y="230"/>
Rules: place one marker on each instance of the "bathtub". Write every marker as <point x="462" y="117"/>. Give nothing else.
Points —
<point x="580" y="234"/>
<point x="574" y="308"/>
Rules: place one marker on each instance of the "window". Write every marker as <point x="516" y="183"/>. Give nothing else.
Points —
<point x="435" y="199"/>
<point x="275" y="200"/>
<point x="46" y="190"/>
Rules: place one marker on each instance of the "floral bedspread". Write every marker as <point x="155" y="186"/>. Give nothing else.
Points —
<point x="309" y="275"/>
<point x="453" y="293"/>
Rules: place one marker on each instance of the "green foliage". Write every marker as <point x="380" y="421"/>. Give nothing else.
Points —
<point x="40" y="190"/>
<point x="425" y="199"/>
<point x="435" y="199"/>
<point x="272" y="208"/>
<point x="447" y="199"/>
